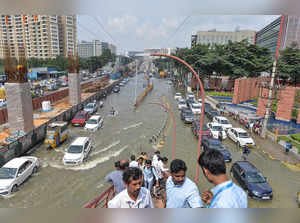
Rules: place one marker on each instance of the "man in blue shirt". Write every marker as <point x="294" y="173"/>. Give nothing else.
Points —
<point x="225" y="194"/>
<point x="181" y="191"/>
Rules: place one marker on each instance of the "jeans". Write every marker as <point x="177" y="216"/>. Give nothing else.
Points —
<point x="148" y="184"/>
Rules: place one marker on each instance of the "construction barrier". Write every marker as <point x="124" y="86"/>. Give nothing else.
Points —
<point x="143" y="95"/>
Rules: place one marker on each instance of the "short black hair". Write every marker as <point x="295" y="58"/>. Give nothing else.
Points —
<point x="213" y="160"/>
<point x="143" y="153"/>
<point x="124" y="166"/>
<point x="164" y="159"/>
<point x="178" y="165"/>
<point x="132" y="173"/>
<point x="148" y="162"/>
<point x="157" y="152"/>
<point x="117" y="164"/>
<point x="132" y="157"/>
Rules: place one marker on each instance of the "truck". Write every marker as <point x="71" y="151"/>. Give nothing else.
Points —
<point x="57" y="133"/>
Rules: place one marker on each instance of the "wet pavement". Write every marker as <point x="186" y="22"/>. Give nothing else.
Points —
<point x="128" y="133"/>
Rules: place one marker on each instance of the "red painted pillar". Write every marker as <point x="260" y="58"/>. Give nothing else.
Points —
<point x="298" y="120"/>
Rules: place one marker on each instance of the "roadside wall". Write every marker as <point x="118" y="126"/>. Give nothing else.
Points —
<point x="285" y="104"/>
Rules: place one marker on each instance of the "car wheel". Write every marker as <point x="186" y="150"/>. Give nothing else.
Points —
<point x="14" y="188"/>
<point x="35" y="170"/>
<point x="238" y="144"/>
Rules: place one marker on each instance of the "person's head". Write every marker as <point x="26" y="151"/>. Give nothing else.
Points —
<point x="148" y="163"/>
<point x="133" y="179"/>
<point x="213" y="164"/>
<point x="117" y="165"/>
<point x="132" y="157"/>
<point x="178" y="169"/>
<point x="157" y="152"/>
<point x="144" y="154"/>
<point x="164" y="160"/>
<point x="124" y="164"/>
<point x="140" y="160"/>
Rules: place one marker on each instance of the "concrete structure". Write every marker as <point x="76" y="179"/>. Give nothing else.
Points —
<point x="218" y="37"/>
<point x="113" y="48"/>
<point x="168" y="51"/>
<point x="42" y="36"/>
<point x="85" y="49"/>
<point x="74" y="88"/>
<point x="268" y="36"/>
<point x="19" y="107"/>
<point x="286" y="104"/>
<point x="94" y="48"/>
<point x="262" y="102"/>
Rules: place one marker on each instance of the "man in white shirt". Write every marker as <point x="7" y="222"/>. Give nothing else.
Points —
<point x="134" y="196"/>
<point x="133" y="162"/>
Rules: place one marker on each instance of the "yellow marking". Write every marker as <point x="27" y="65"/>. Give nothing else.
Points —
<point x="291" y="166"/>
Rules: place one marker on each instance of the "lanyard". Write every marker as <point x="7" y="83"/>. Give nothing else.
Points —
<point x="219" y="191"/>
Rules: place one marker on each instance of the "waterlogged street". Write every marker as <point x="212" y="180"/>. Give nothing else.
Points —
<point x="128" y="133"/>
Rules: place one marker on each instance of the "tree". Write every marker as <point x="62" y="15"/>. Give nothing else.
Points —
<point x="289" y="64"/>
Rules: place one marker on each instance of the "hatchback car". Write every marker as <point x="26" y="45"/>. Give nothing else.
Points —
<point x="80" y="118"/>
<point x="210" y="143"/>
<point x="91" y="108"/>
<point x="223" y="122"/>
<point x="78" y="151"/>
<point x="240" y="137"/>
<point x="187" y="116"/>
<point x="15" y="172"/>
<point x="177" y="96"/>
<point x="215" y="129"/>
<point x="251" y="180"/>
<point x="196" y="108"/>
<point x="94" y="123"/>
<point x="181" y="105"/>
<point x="195" y="129"/>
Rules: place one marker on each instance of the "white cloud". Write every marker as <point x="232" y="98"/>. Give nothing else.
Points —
<point x="121" y="24"/>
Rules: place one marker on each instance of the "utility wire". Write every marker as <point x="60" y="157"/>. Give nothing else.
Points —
<point x="87" y="30"/>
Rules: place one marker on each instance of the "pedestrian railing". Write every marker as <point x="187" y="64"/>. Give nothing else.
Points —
<point x="102" y="200"/>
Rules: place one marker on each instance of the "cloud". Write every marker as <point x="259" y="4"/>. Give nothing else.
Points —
<point x="121" y="24"/>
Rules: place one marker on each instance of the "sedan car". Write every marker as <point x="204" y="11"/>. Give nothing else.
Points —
<point x="210" y="143"/>
<point x="212" y="113"/>
<point x="215" y="129"/>
<point x="177" y="96"/>
<point x="251" y="180"/>
<point x="94" y="123"/>
<point x="91" y="108"/>
<point x="15" y="172"/>
<point x="80" y="118"/>
<point x="181" y="105"/>
<point x="223" y="122"/>
<point x="196" y="108"/>
<point x="187" y="116"/>
<point x="240" y="137"/>
<point x="195" y="129"/>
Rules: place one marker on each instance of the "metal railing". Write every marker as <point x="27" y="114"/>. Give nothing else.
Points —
<point x="102" y="200"/>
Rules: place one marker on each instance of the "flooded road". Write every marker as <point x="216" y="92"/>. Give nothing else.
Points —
<point x="128" y="133"/>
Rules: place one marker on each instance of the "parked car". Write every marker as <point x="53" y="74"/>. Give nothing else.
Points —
<point x="212" y="113"/>
<point x="240" y="137"/>
<point x="251" y="180"/>
<point x="94" y="123"/>
<point x="91" y="108"/>
<point x="189" y="102"/>
<point x="116" y="89"/>
<point x="210" y="143"/>
<point x="190" y="95"/>
<point x="181" y="105"/>
<point x="196" y="108"/>
<point x="78" y="151"/>
<point x="222" y="121"/>
<point x="187" y="116"/>
<point x="80" y="118"/>
<point x="195" y="129"/>
<point x="215" y="129"/>
<point x="177" y="96"/>
<point x="15" y="172"/>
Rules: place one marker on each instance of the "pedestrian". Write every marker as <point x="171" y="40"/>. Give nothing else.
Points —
<point x="288" y="146"/>
<point x="134" y="195"/>
<point x="162" y="171"/>
<point x="150" y="175"/>
<point x="140" y="161"/>
<point x="115" y="177"/>
<point x="117" y="165"/>
<point x="220" y="136"/>
<point x="225" y="194"/>
<point x="155" y="157"/>
<point x="133" y="162"/>
<point x="181" y="192"/>
<point x="251" y="126"/>
<point x="245" y="152"/>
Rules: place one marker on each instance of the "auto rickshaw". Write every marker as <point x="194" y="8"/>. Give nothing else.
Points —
<point x="57" y="133"/>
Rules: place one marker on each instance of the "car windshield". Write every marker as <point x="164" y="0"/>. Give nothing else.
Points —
<point x="182" y="103"/>
<point x="8" y="173"/>
<point x="196" y="107"/>
<point x="224" y="121"/>
<point x="75" y="149"/>
<point x="90" y="106"/>
<point x="50" y="136"/>
<point x="255" y="178"/>
<point x="216" y="145"/>
<point x="204" y="128"/>
<point x="243" y="135"/>
<point x="79" y="117"/>
<point x="217" y="128"/>
<point x="188" y="113"/>
<point x="92" y="121"/>
<point x="178" y="94"/>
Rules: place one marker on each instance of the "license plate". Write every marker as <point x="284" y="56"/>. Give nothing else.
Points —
<point x="265" y="198"/>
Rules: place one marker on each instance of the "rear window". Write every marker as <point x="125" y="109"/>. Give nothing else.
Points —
<point x="79" y="116"/>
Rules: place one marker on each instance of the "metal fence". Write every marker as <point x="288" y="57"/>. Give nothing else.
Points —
<point x="23" y="144"/>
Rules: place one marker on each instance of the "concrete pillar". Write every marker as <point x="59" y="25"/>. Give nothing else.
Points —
<point x="298" y="120"/>
<point x="285" y="104"/>
<point x="74" y="88"/>
<point x="19" y="107"/>
<point x="262" y="102"/>
<point x="236" y="93"/>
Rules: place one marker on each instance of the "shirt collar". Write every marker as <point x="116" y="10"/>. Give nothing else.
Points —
<point x="139" y="199"/>
<point x="215" y="189"/>
<point x="175" y="185"/>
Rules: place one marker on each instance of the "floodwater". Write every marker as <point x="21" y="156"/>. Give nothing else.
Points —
<point x="128" y="133"/>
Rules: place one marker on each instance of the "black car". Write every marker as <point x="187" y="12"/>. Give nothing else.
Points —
<point x="210" y="143"/>
<point x="251" y="180"/>
<point x="187" y="116"/>
<point x="116" y="89"/>
<point x="212" y="113"/>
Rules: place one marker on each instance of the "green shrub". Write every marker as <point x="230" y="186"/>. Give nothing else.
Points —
<point x="296" y="137"/>
<point x="216" y="93"/>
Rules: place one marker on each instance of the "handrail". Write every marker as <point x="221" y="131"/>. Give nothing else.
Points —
<point x="103" y="197"/>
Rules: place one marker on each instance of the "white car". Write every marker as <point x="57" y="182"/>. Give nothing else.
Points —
<point x="241" y="137"/>
<point x="182" y="105"/>
<point x="94" y="123"/>
<point x="223" y="122"/>
<point x="215" y="129"/>
<point x="177" y="96"/>
<point x="78" y="151"/>
<point x="15" y="172"/>
<point x="196" y="108"/>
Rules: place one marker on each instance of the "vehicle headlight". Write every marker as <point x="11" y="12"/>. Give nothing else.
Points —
<point x="256" y="193"/>
<point x="5" y="188"/>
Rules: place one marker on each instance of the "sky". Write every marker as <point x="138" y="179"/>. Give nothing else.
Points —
<point x="135" y="32"/>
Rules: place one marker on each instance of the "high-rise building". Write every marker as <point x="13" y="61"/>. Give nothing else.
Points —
<point x="218" y="37"/>
<point x="290" y="33"/>
<point x="94" y="48"/>
<point x="85" y="49"/>
<point x="113" y="48"/>
<point x="41" y="36"/>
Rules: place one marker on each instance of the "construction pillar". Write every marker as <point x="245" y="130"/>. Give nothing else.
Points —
<point x="74" y="88"/>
